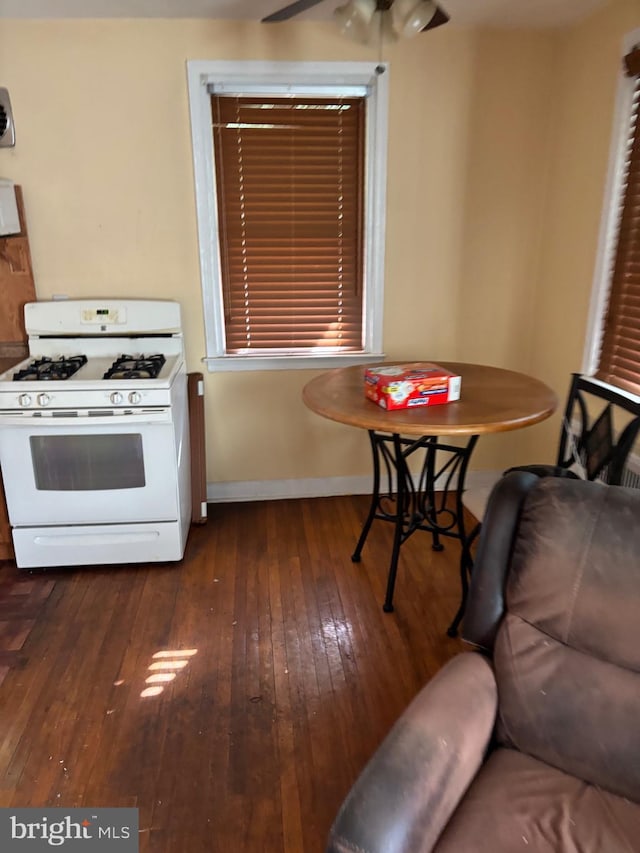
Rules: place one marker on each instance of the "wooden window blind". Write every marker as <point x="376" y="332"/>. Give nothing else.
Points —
<point x="619" y="362"/>
<point x="290" y="186"/>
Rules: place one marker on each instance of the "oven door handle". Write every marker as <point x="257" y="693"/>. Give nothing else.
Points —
<point x="157" y="416"/>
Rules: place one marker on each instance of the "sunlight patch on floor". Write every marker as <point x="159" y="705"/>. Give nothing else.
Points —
<point x="164" y="668"/>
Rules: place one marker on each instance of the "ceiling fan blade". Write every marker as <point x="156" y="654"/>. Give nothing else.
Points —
<point x="289" y="11"/>
<point x="440" y="17"/>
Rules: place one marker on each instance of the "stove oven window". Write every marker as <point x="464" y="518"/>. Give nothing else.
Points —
<point x="91" y="463"/>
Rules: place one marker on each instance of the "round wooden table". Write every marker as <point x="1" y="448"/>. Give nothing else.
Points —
<point x="491" y="400"/>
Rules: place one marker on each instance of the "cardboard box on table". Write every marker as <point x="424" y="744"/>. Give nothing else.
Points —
<point x="407" y="386"/>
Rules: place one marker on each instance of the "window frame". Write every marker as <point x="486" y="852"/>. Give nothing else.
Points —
<point x="607" y="238"/>
<point x="270" y="78"/>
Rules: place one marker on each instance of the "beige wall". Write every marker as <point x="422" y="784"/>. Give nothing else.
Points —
<point x="586" y="83"/>
<point x="506" y="184"/>
<point x="480" y="123"/>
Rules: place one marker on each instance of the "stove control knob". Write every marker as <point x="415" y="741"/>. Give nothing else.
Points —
<point x="135" y="397"/>
<point x="24" y="400"/>
<point x="116" y="398"/>
<point x="44" y="399"/>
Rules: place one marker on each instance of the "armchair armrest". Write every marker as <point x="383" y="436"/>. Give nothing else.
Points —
<point x="405" y="795"/>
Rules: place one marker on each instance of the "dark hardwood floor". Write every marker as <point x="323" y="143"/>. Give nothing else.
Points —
<point x="284" y="674"/>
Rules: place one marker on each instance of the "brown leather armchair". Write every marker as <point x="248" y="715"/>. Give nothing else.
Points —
<point x="533" y="743"/>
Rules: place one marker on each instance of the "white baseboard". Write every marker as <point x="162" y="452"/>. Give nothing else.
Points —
<point x="320" y="487"/>
<point x="269" y="490"/>
<point x="476" y="495"/>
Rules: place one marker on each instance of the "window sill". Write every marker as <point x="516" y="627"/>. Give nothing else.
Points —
<point x="216" y="364"/>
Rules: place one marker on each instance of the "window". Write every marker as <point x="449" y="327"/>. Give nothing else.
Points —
<point x="290" y="194"/>
<point x="613" y="348"/>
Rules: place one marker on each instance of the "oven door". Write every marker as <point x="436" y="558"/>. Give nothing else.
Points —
<point x="89" y="470"/>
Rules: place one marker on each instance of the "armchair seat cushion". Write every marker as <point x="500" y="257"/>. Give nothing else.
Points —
<point x="518" y="803"/>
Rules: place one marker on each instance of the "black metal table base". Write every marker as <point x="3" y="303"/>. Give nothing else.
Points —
<point x="416" y="498"/>
<point x="466" y="564"/>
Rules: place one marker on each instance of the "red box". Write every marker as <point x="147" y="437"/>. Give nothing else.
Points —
<point x="408" y="386"/>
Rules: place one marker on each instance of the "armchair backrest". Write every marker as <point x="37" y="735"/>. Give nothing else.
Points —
<point x="564" y="594"/>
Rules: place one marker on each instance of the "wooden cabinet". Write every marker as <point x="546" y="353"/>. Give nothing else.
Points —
<point x="16" y="282"/>
<point x="197" y="442"/>
<point x="6" y="543"/>
<point x="16" y="288"/>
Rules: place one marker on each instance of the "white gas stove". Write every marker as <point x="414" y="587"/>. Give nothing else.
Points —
<point x="94" y="439"/>
<point x="74" y="345"/>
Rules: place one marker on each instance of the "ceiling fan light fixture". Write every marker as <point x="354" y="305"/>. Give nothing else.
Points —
<point x="354" y="19"/>
<point x="416" y="18"/>
<point x="400" y="11"/>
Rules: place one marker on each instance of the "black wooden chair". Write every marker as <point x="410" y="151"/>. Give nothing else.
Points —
<point x="600" y="427"/>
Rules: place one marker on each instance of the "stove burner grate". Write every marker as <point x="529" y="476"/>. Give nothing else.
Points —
<point x="50" y="369"/>
<point x="136" y="367"/>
